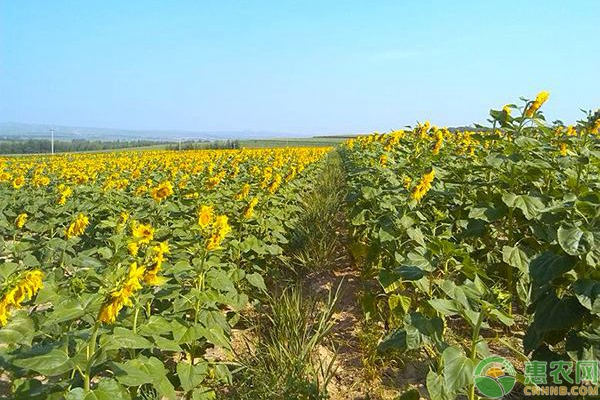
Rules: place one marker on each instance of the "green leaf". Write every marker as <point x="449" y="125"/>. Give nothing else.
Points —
<point x="487" y="214"/>
<point x="105" y="252"/>
<point x="457" y="293"/>
<point x="502" y="316"/>
<point x="191" y="376"/>
<point x="165" y="344"/>
<point x="216" y="335"/>
<point x="133" y="373"/>
<point x="30" y="261"/>
<point x="108" y="389"/>
<point x="181" y="267"/>
<point x="218" y="279"/>
<point x="18" y="330"/>
<point x="274" y="249"/>
<point x="530" y="206"/>
<point x="458" y="369"/>
<point x="515" y="257"/>
<point x="566" y="312"/>
<point x="66" y="310"/>
<point x="370" y="193"/>
<point x="87" y="262"/>
<point x="123" y="338"/>
<point x="394" y="341"/>
<point x="75" y="394"/>
<point x="257" y="281"/>
<point x="359" y="218"/>
<point x="548" y="266"/>
<point x="410" y="273"/>
<point x="420" y="258"/>
<point x="156" y="325"/>
<point x="147" y="370"/>
<point x="186" y="334"/>
<point x="437" y="387"/>
<point x="7" y="269"/>
<point x="525" y="141"/>
<point x="30" y="389"/>
<point x="163" y="385"/>
<point x="420" y="330"/>
<point x="389" y="280"/>
<point x="430" y="327"/>
<point x="251" y="243"/>
<point x="204" y="394"/>
<point x="417" y="235"/>
<point x="587" y="292"/>
<point x="412" y="394"/>
<point x="482" y="349"/>
<point x="399" y="301"/>
<point x="386" y="234"/>
<point x="444" y="307"/>
<point x="574" y="241"/>
<point x="53" y="363"/>
<point x="222" y="373"/>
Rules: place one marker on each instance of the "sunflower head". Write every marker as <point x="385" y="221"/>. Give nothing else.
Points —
<point x="205" y="216"/>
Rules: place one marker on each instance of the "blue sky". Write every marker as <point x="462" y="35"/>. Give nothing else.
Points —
<point x="298" y="67"/>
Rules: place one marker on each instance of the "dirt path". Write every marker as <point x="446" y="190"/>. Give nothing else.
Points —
<point x="357" y="377"/>
<point x="350" y="381"/>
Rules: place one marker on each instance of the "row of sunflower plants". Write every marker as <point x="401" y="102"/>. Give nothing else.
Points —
<point x="480" y="239"/>
<point x="122" y="274"/>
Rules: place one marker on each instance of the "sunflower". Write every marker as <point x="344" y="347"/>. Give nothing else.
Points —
<point x="275" y="184"/>
<point x="205" y="216"/>
<point x="25" y="288"/>
<point x="77" y="227"/>
<point x="21" y="220"/>
<point x="563" y="149"/>
<point x="220" y="229"/>
<point x="243" y="193"/>
<point x="64" y="192"/>
<point x="249" y="209"/>
<point x="158" y="257"/>
<point x="18" y="182"/>
<point x="537" y="103"/>
<point x="439" y="140"/>
<point x="121" y="297"/>
<point x="162" y="191"/>
<point x="291" y="175"/>
<point x="142" y="233"/>
<point x="133" y="248"/>
<point x="423" y="186"/>
<point x="123" y="217"/>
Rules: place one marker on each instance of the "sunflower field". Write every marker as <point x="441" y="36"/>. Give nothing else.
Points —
<point x="124" y="275"/>
<point x="118" y="271"/>
<point x="480" y="240"/>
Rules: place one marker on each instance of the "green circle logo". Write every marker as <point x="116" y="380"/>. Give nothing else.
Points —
<point x="494" y="377"/>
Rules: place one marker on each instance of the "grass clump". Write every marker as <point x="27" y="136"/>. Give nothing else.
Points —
<point x="287" y="357"/>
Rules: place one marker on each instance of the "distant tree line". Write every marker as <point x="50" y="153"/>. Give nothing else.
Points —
<point x="35" y="146"/>
<point x="197" y="145"/>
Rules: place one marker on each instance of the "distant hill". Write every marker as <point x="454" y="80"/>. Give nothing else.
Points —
<point x="13" y="130"/>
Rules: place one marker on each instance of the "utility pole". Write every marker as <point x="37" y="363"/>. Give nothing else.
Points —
<point x="179" y="144"/>
<point x="52" y="141"/>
